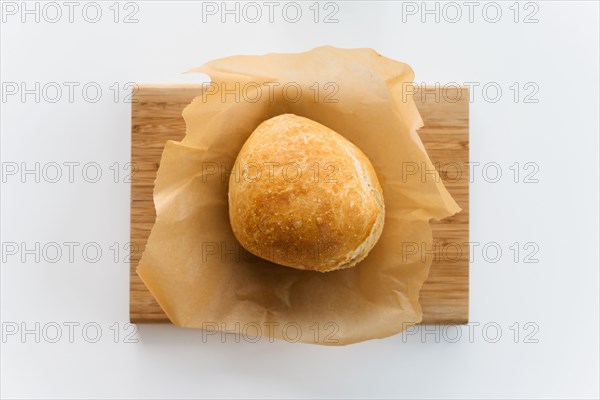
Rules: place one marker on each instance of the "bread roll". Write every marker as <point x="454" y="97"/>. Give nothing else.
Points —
<point x="303" y="196"/>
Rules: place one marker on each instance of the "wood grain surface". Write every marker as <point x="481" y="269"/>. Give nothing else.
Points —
<point x="156" y="118"/>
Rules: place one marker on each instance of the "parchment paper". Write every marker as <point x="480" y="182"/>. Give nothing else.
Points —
<point x="200" y="274"/>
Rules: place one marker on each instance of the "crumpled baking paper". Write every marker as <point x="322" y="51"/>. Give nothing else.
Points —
<point x="200" y="274"/>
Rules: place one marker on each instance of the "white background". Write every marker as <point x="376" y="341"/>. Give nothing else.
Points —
<point x="558" y="295"/>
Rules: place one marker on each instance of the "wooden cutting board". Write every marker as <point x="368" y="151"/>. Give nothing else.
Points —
<point x="156" y="118"/>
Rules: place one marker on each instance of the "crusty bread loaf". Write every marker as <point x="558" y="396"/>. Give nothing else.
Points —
<point x="303" y="196"/>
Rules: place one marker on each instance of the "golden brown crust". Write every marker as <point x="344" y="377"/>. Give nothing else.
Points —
<point x="303" y="196"/>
